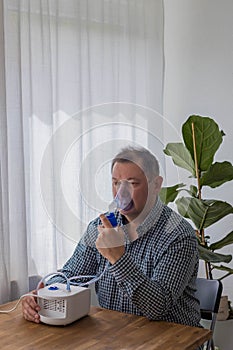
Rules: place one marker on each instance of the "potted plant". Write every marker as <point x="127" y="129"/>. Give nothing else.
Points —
<point x="201" y="140"/>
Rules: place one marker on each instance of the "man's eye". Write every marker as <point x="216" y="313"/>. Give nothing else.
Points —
<point x="133" y="183"/>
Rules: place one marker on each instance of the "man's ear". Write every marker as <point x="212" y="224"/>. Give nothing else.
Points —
<point x="158" y="180"/>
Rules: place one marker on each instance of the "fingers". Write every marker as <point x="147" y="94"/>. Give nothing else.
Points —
<point x="30" y="309"/>
<point x="105" y="222"/>
<point x="110" y="237"/>
<point x="41" y="285"/>
<point x="110" y="244"/>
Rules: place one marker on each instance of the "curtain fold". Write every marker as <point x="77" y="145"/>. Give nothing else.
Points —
<point x="80" y="79"/>
<point x="4" y="214"/>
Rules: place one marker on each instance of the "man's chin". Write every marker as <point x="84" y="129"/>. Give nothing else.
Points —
<point x="130" y="215"/>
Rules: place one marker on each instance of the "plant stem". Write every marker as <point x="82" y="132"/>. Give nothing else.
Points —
<point x="207" y="266"/>
<point x="197" y="174"/>
<point x="209" y="271"/>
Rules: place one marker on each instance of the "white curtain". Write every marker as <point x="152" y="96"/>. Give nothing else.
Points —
<point x="79" y="80"/>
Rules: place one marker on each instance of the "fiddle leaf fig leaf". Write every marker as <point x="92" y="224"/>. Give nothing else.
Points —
<point x="180" y="156"/>
<point x="169" y="194"/>
<point x="217" y="174"/>
<point x="216" y="211"/>
<point x="193" y="191"/>
<point x="193" y="209"/>
<point x="208" y="138"/>
<point x="223" y="268"/>
<point x="203" y="213"/>
<point x="228" y="239"/>
<point x="212" y="257"/>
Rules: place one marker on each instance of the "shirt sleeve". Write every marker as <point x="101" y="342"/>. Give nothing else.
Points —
<point x="171" y="274"/>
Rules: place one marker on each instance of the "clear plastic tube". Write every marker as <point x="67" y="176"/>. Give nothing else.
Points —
<point x="55" y="273"/>
<point x="93" y="278"/>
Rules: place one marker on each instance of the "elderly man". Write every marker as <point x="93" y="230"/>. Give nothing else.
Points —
<point x="152" y="256"/>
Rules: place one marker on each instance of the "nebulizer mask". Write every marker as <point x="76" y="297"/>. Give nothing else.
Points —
<point x="122" y="201"/>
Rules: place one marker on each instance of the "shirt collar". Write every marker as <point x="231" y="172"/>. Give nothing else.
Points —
<point x="150" y="220"/>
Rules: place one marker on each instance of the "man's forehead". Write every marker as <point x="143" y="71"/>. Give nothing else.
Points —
<point x="131" y="168"/>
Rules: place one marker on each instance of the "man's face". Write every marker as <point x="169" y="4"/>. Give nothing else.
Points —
<point x="143" y="194"/>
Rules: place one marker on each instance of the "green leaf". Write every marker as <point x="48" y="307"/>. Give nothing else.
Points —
<point x="180" y="156"/>
<point x="228" y="239"/>
<point x="212" y="257"/>
<point x="223" y="268"/>
<point x="216" y="211"/>
<point x="169" y="194"/>
<point x="217" y="174"/>
<point x="193" y="191"/>
<point x="193" y="209"/>
<point x="203" y="213"/>
<point x="228" y="270"/>
<point x="208" y="139"/>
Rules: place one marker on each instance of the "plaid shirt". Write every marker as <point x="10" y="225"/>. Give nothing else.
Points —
<point x="156" y="275"/>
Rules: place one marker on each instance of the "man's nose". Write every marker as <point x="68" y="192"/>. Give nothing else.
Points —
<point x="124" y="194"/>
<point x="124" y="188"/>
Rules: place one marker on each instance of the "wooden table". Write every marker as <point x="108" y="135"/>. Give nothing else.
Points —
<point x="100" y="330"/>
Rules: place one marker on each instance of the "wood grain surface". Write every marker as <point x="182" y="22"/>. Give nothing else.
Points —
<point x="100" y="330"/>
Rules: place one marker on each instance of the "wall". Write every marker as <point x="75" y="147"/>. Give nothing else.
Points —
<point x="199" y="80"/>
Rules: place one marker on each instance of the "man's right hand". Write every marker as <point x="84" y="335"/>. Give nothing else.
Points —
<point x="30" y="307"/>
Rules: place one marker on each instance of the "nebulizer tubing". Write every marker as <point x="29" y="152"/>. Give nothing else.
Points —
<point x="93" y="278"/>
<point x="55" y="274"/>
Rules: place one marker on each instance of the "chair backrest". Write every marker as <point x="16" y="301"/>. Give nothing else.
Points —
<point x="209" y="294"/>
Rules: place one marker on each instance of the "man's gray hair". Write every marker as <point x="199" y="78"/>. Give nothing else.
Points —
<point x="140" y="156"/>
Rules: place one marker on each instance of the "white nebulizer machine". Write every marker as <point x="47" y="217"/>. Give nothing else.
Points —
<point x="64" y="303"/>
<point x="61" y="307"/>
